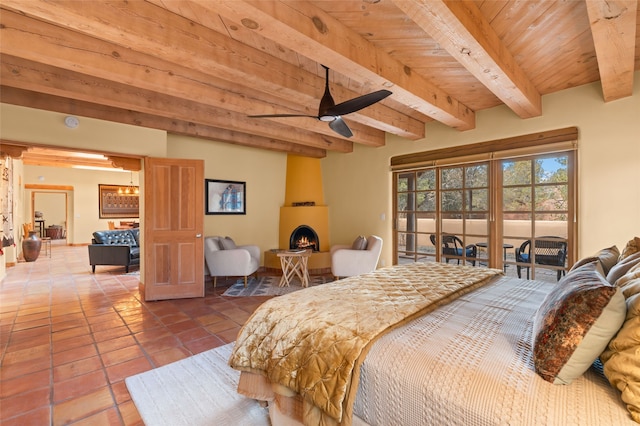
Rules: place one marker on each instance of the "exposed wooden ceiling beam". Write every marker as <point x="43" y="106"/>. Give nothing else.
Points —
<point x="304" y="28"/>
<point x="16" y="72"/>
<point x="199" y="67"/>
<point x="143" y="27"/>
<point x="12" y="149"/>
<point x="126" y="163"/>
<point x="613" y="26"/>
<point x="37" y="156"/>
<point x="14" y="96"/>
<point x="62" y="48"/>
<point x="461" y="29"/>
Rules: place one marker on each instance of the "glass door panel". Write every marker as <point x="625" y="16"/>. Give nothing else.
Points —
<point x="464" y="214"/>
<point x="415" y="216"/>
<point x="535" y="212"/>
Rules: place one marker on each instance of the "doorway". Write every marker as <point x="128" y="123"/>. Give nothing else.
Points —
<point x="50" y="213"/>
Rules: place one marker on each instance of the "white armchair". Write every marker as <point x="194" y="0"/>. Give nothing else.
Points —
<point x="346" y="261"/>
<point x="225" y="259"/>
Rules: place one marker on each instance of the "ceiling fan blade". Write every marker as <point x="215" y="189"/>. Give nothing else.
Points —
<point x="356" y="104"/>
<point x="340" y="127"/>
<point x="281" y="115"/>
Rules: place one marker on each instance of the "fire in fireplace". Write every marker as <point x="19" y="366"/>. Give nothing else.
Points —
<point x="304" y="237"/>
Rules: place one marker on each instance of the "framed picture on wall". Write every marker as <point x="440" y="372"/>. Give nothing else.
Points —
<point x="225" y="197"/>
<point x="117" y="201"/>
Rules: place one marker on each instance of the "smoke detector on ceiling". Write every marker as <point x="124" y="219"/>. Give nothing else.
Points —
<point x="71" y="122"/>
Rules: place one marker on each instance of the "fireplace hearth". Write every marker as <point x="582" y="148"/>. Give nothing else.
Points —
<point x="304" y="237"/>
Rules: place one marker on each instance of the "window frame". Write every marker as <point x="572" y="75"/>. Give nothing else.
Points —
<point x="526" y="147"/>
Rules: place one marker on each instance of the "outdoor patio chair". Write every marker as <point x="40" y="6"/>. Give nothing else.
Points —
<point x="547" y="251"/>
<point x="453" y="246"/>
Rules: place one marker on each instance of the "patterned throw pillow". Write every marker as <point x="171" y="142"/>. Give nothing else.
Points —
<point x="575" y="323"/>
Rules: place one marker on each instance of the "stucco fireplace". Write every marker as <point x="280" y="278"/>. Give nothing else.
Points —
<point x="304" y="209"/>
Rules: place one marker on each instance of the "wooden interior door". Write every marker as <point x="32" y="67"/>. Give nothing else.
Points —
<point x="173" y="225"/>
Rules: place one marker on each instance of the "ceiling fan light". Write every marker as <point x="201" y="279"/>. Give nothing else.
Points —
<point x="327" y="118"/>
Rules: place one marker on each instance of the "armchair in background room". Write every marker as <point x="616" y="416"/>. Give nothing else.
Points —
<point x="453" y="246"/>
<point x="550" y="251"/>
<point x="359" y="258"/>
<point x="225" y="259"/>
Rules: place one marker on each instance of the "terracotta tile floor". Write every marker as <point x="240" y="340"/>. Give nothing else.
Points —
<point x="69" y="338"/>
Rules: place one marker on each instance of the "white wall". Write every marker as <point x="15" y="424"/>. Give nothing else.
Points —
<point x="358" y="186"/>
<point x="53" y="206"/>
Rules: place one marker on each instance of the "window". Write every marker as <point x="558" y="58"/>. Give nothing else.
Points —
<point x="504" y="208"/>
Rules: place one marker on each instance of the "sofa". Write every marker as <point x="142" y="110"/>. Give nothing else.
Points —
<point x="115" y="247"/>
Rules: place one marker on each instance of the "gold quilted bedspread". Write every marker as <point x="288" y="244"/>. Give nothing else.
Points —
<point x="313" y="341"/>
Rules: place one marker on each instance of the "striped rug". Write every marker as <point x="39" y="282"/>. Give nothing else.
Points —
<point x="268" y="286"/>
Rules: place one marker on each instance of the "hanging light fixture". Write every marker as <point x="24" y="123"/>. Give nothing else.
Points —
<point x="129" y="190"/>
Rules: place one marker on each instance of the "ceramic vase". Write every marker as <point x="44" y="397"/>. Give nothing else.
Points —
<point x="31" y="246"/>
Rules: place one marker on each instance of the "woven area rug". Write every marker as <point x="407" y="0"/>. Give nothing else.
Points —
<point x="196" y="391"/>
<point x="268" y="286"/>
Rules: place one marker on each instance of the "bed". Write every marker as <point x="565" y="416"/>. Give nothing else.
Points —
<point x="465" y="356"/>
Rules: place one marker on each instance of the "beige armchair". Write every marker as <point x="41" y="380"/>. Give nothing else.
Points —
<point x="225" y="259"/>
<point x="347" y="261"/>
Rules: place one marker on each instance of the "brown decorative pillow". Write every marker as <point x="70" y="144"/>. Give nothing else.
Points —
<point x="227" y="243"/>
<point x="575" y="323"/>
<point x="623" y="267"/>
<point x="607" y="257"/>
<point x="633" y="246"/>
<point x="360" y="243"/>
<point x="586" y="260"/>
<point x="621" y="359"/>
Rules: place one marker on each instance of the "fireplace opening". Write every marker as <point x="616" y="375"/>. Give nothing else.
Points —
<point x="304" y="237"/>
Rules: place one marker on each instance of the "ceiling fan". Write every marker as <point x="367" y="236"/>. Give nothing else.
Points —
<point x="332" y="113"/>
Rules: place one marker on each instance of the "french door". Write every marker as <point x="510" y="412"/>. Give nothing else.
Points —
<point x="510" y="213"/>
<point x="442" y="207"/>
<point x="537" y="204"/>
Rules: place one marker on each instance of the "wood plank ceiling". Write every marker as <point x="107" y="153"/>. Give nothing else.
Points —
<point x="200" y="67"/>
